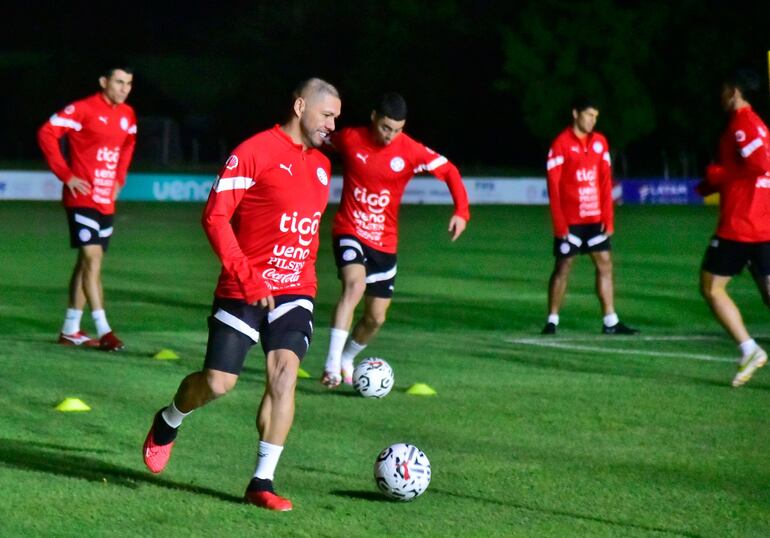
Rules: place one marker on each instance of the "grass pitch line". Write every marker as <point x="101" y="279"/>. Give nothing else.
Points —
<point x="662" y="338"/>
<point x="595" y="349"/>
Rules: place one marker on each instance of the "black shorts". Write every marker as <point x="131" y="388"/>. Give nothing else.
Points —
<point x="728" y="258"/>
<point x="89" y="227"/>
<point x="582" y="239"/>
<point x="380" y="266"/>
<point x="235" y="326"/>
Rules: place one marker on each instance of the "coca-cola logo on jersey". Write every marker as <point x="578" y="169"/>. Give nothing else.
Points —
<point x="306" y="228"/>
<point x="376" y="201"/>
<point x="109" y="156"/>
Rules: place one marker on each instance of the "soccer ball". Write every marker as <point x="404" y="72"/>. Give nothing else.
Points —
<point x="373" y="378"/>
<point x="402" y="472"/>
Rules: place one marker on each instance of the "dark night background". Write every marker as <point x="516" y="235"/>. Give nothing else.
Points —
<point x="488" y="83"/>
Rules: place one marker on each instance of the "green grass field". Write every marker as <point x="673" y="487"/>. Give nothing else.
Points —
<point x="577" y="435"/>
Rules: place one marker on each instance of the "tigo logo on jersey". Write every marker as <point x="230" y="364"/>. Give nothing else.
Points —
<point x="305" y="227"/>
<point x="109" y="156"/>
<point x="598" y="147"/>
<point x="232" y="162"/>
<point x="397" y="164"/>
<point x="376" y="202"/>
<point x="322" y="177"/>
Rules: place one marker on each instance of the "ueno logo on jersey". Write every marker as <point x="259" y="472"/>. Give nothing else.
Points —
<point x="232" y="162"/>
<point x="586" y="174"/>
<point x="397" y="164"/>
<point x="305" y="227"/>
<point x="322" y="177"/>
<point x="376" y="202"/>
<point x="598" y="147"/>
<point x="109" y="156"/>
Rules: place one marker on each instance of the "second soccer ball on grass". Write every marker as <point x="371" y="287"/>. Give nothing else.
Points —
<point x="373" y="378"/>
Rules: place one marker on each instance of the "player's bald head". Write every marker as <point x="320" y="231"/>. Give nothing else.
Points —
<point x="313" y="88"/>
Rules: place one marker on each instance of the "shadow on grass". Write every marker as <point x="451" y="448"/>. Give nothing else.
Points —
<point x="572" y="515"/>
<point x="371" y="496"/>
<point x="58" y="460"/>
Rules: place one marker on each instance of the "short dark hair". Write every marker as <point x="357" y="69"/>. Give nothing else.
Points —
<point x="745" y="80"/>
<point x="392" y="105"/>
<point x="582" y="103"/>
<point x="111" y="68"/>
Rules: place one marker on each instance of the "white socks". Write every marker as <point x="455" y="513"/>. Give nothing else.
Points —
<point x="748" y="346"/>
<point x="337" y="339"/>
<point x="267" y="460"/>
<point x="72" y="321"/>
<point x="173" y="416"/>
<point x="352" y="348"/>
<point x="553" y="318"/>
<point x="610" y="320"/>
<point x="100" y="319"/>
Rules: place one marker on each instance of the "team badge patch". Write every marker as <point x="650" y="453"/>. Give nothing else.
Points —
<point x="124" y="124"/>
<point x="322" y="177"/>
<point x="232" y="162"/>
<point x="349" y="255"/>
<point x="397" y="164"/>
<point x="69" y="109"/>
<point x="598" y="147"/>
<point x="84" y="234"/>
<point x="740" y="136"/>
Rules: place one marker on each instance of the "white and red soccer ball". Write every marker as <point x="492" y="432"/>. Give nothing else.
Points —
<point x="373" y="378"/>
<point x="402" y="472"/>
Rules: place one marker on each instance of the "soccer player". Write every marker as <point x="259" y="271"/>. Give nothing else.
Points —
<point x="262" y="220"/>
<point x="378" y="160"/>
<point x="580" y="196"/>
<point x="742" y="178"/>
<point x="101" y="134"/>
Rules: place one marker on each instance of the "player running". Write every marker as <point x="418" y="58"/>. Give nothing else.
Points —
<point x="101" y="134"/>
<point x="378" y="160"/>
<point x="742" y="178"/>
<point x="262" y="220"/>
<point x="582" y="213"/>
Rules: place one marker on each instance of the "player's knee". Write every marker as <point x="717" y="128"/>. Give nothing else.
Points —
<point x="219" y="384"/>
<point x="563" y="267"/>
<point x="375" y="320"/>
<point x="354" y="289"/>
<point x="283" y="377"/>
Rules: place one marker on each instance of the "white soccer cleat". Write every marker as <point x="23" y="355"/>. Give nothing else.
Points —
<point x="347" y="373"/>
<point x="748" y="365"/>
<point x="331" y="380"/>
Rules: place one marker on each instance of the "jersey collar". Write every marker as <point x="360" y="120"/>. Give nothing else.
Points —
<point x="277" y="131"/>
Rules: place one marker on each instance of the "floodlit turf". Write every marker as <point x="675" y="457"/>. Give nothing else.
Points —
<point x="573" y="435"/>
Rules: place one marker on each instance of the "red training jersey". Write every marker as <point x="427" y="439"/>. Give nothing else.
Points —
<point x="580" y="182"/>
<point x="374" y="179"/>
<point x="263" y="214"/>
<point x="101" y="138"/>
<point x="742" y="177"/>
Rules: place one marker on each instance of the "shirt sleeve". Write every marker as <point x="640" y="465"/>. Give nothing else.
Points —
<point x="554" y="167"/>
<point x="605" y="187"/>
<point x="239" y="174"/>
<point x="440" y="167"/>
<point x="751" y="144"/>
<point x="126" y="153"/>
<point x="60" y="124"/>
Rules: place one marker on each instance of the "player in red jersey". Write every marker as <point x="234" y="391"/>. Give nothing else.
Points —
<point x="262" y="220"/>
<point x="742" y="178"/>
<point x="101" y="134"/>
<point x="580" y="196"/>
<point x="378" y="160"/>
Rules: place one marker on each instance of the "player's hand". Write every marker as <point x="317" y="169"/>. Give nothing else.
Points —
<point x="456" y="226"/>
<point x="78" y="186"/>
<point x="266" y="302"/>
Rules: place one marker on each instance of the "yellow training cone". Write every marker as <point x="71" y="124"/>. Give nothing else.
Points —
<point x="421" y="389"/>
<point x="165" y="354"/>
<point x="302" y="374"/>
<point x="72" y="404"/>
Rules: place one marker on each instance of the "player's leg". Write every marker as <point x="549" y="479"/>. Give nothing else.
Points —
<point x="381" y="268"/>
<point x="723" y="260"/>
<point x="350" y="258"/>
<point x="605" y="291"/>
<point x="353" y="277"/>
<point x="232" y="332"/>
<point x="81" y="235"/>
<point x="557" y="286"/>
<point x="286" y="338"/>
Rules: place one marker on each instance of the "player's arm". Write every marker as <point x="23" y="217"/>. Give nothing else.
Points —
<point x="441" y="168"/>
<point x="605" y="187"/>
<point x="554" y="168"/>
<point x="752" y="148"/>
<point x="225" y="196"/>
<point x="126" y="154"/>
<point x="57" y="126"/>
